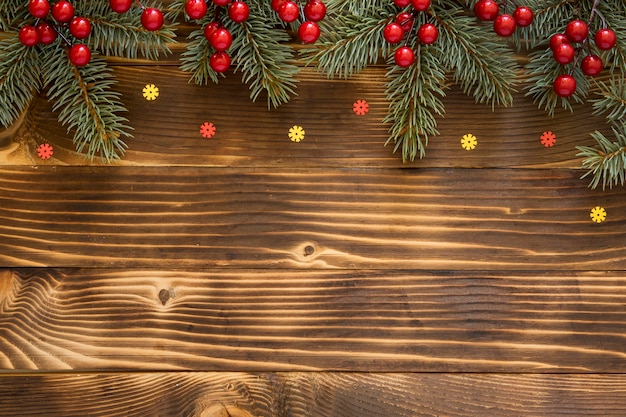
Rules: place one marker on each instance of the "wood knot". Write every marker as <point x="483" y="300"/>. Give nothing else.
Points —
<point x="164" y="296"/>
<point x="309" y="250"/>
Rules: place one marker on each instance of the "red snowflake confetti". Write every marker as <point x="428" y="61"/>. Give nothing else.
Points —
<point x="45" y="151"/>
<point x="207" y="130"/>
<point x="548" y="139"/>
<point x="360" y="107"/>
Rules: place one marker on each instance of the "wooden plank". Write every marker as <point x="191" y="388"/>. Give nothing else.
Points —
<point x="248" y="134"/>
<point x="290" y="320"/>
<point x="191" y="217"/>
<point x="311" y="395"/>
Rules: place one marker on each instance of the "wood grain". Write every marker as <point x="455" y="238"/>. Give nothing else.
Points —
<point x="311" y="395"/>
<point x="370" y="321"/>
<point x="185" y="217"/>
<point x="248" y="134"/>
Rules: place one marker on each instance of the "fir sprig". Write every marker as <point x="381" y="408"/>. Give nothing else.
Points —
<point x="606" y="163"/>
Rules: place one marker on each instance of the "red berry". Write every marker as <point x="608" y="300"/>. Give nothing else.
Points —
<point x="523" y="16"/>
<point x="221" y="2"/>
<point x="196" y="9"/>
<point x="486" y="9"/>
<point x="420" y="5"/>
<point x="428" y="33"/>
<point x="314" y="10"/>
<point x="276" y="4"/>
<point x="209" y="29"/>
<point x="39" y="8"/>
<point x="152" y="19"/>
<point x="28" y="35"/>
<point x="393" y="33"/>
<point x="80" y="27"/>
<point x="591" y="65"/>
<point x="289" y="11"/>
<point x="80" y="55"/>
<point x="47" y="34"/>
<point x="238" y="11"/>
<point x="221" y="39"/>
<point x="556" y="40"/>
<point x="504" y="25"/>
<point x="120" y="6"/>
<point x="564" y="85"/>
<point x="404" y="56"/>
<point x="576" y="31"/>
<point x="401" y="3"/>
<point x="605" y="39"/>
<point x="63" y="11"/>
<point x="564" y="53"/>
<point x="309" y="32"/>
<point x="405" y="19"/>
<point x="220" y="61"/>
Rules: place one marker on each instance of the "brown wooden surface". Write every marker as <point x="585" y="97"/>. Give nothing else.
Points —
<point x="467" y="283"/>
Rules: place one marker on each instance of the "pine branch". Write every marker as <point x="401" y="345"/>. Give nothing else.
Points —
<point x="19" y="78"/>
<point x="612" y="100"/>
<point x="11" y="11"/>
<point x="86" y="103"/>
<point x="605" y="163"/>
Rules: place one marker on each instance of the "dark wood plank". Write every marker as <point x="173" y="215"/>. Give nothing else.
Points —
<point x="311" y="394"/>
<point x="374" y="321"/>
<point x="248" y="134"/>
<point x="190" y="217"/>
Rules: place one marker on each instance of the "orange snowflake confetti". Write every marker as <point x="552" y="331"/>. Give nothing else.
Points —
<point x="207" y="130"/>
<point x="548" y="139"/>
<point x="598" y="214"/>
<point x="296" y="133"/>
<point x="469" y="142"/>
<point x="150" y="92"/>
<point x="45" y="151"/>
<point x="360" y="107"/>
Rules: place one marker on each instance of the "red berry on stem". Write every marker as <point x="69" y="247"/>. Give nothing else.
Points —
<point x="209" y="29"/>
<point x="220" y="61"/>
<point x="196" y="9"/>
<point x="221" y="39"/>
<point x="63" y="11"/>
<point x="152" y="19"/>
<point x="523" y="16"/>
<point x="238" y="11"/>
<point x="591" y="65"/>
<point x="47" y="34"/>
<point x="309" y="32"/>
<point x="221" y="2"/>
<point x="420" y="5"/>
<point x="314" y="10"/>
<point x="556" y="40"/>
<point x="289" y="11"/>
<point x="120" y="6"/>
<point x="576" y="31"/>
<point x="39" y="8"/>
<point x="428" y="33"/>
<point x="486" y="9"/>
<point x="276" y="4"/>
<point x="605" y="39"/>
<point x="404" y="56"/>
<point x="401" y="3"/>
<point x="80" y="27"/>
<point x="504" y="25"/>
<point x="28" y="35"/>
<point x="564" y="53"/>
<point x="80" y="55"/>
<point x="393" y="33"/>
<point x="405" y="19"/>
<point x="564" y="85"/>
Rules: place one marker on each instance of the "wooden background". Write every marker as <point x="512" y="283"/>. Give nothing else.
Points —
<point x="248" y="275"/>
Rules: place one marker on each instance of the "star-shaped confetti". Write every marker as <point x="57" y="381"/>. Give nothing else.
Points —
<point x="45" y="151"/>
<point x="207" y="130"/>
<point x="598" y="214"/>
<point x="469" y="142"/>
<point x="150" y="92"/>
<point x="360" y="107"/>
<point x="548" y="139"/>
<point x="296" y="133"/>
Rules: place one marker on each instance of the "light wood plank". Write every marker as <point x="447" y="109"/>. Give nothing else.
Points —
<point x="374" y="321"/>
<point x="312" y="395"/>
<point x="185" y="217"/>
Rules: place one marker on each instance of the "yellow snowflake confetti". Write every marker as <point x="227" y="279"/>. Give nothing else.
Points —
<point x="150" y="92"/>
<point x="469" y="142"/>
<point x="598" y="214"/>
<point x="296" y="133"/>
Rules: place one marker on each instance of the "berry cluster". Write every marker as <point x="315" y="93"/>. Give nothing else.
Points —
<point x="313" y="12"/>
<point x="215" y="32"/>
<point x="504" y="24"/>
<point x="403" y="24"/>
<point x="568" y="47"/>
<point x="56" y="20"/>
